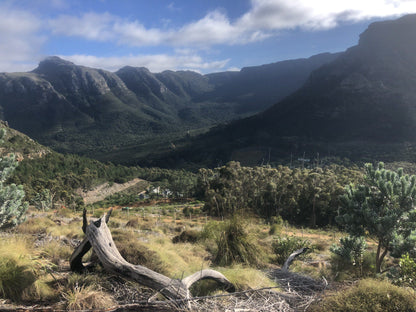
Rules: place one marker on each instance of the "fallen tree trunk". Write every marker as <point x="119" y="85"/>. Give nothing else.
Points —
<point x="98" y="237"/>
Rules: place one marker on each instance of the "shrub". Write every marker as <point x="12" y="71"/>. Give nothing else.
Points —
<point x="235" y="246"/>
<point x="284" y="246"/>
<point x="350" y="256"/>
<point x="343" y="269"/>
<point x="134" y="223"/>
<point x="187" y="236"/>
<point x="187" y="211"/>
<point x="351" y="249"/>
<point x="277" y="220"/>
<point x="370" y="296"/>
<point x="275" y="229"/>
<point x="406" y="274"/>
<point x="211" y="230"/>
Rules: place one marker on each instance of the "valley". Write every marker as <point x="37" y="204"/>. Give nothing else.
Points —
<point x="126" y="115"/>
<point x="291" y="186"/>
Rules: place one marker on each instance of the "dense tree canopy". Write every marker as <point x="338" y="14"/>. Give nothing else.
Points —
<point x="301" y="196"/>
<point x="62" y="174"/>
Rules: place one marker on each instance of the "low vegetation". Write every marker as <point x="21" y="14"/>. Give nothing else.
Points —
<point x="369" y="295"/>
<point x="243" y="222"/>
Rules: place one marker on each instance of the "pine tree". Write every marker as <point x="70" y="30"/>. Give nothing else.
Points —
<point x="12" y="205"/>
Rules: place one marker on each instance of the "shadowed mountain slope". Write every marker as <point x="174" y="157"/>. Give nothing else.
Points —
<point x="362" y="106"/>
<point x="114" y="116"/>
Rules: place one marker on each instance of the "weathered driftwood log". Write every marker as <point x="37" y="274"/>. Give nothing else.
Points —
<point x="292" y="257"/>
<point x="100" y="239"/>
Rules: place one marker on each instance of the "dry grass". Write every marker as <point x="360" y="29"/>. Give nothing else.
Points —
<point x="19" y="270"/>
<point x="56" y="252"/>
<point x="43" y="289"/>
<point x="87" y="298"/>
<point x="148" y="241"/>
<point x="39" y="225"/>
<point x="181" y="259"/>
<point x="247" y="278"/>
<point x="369" y="295"/>
<point x="135" y="252"/>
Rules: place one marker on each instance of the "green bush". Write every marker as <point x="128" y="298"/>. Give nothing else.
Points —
<point x="342" y="268"/>
<point x="369" y="296"/>
<point x="133" y="223"/>
<point x="275" y="229"/>
<point x="405" y="275"/>
<point x="212" y="230"/>
<point x="350" y="251"/>
<point x="187" y="236"/>
<point x="284" y="246"/>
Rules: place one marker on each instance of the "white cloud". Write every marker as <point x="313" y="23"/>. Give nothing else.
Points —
<point x="214" y="28"/>
<point x="264" y="19"/>
<point x="154" y="62"/>
<point x="91" y="26"/>
<point x="319" y="14"/>
<point x="20" y="40"/>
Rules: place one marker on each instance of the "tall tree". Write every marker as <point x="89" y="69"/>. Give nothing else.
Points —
<point x="12" y="206"/>
<point x="382" y="207"/>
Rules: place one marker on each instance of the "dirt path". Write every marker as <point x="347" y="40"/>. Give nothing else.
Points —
<point x="100" y="192"/>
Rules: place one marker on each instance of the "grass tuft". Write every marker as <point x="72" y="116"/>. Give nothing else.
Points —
<point x="236" y="246"/>
<point x="17" y="268"/>
<point x="87" y="298"/>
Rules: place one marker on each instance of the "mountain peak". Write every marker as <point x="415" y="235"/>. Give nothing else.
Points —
<point x="134" y="69"/>
<point x="51" y="63"/>
<point x="56" y="60"/>
<point x="390" y="35"/>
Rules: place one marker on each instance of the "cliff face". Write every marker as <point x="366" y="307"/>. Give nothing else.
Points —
<point x="367" y="93"/>
<point x="361" y="105"/>
<point x="79" y="109"/>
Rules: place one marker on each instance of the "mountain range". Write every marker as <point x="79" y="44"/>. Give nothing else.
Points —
<point x="359" y="104"/>
<point x="121" y="116"/>
<point x="362" y="106"/>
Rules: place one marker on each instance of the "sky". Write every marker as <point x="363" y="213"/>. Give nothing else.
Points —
<point x="201" y="35"/>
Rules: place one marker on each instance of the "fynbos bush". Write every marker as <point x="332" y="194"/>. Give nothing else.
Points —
<point x="284" y="246"/>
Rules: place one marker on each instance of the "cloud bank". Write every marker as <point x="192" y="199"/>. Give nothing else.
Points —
<point x="264" y="19"/>
<point x="20" y="40"/>
<point x="154" y="62"/>
<point x="23" y="33"/>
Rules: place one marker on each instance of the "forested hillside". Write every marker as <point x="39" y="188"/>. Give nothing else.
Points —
<point x="361" y="106"/>
<point x="125" y="115"/>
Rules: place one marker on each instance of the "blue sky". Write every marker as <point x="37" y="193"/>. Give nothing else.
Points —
<point x="201" y="35"/>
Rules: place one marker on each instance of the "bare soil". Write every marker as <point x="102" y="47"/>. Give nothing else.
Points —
<point x="100" y="192"/>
